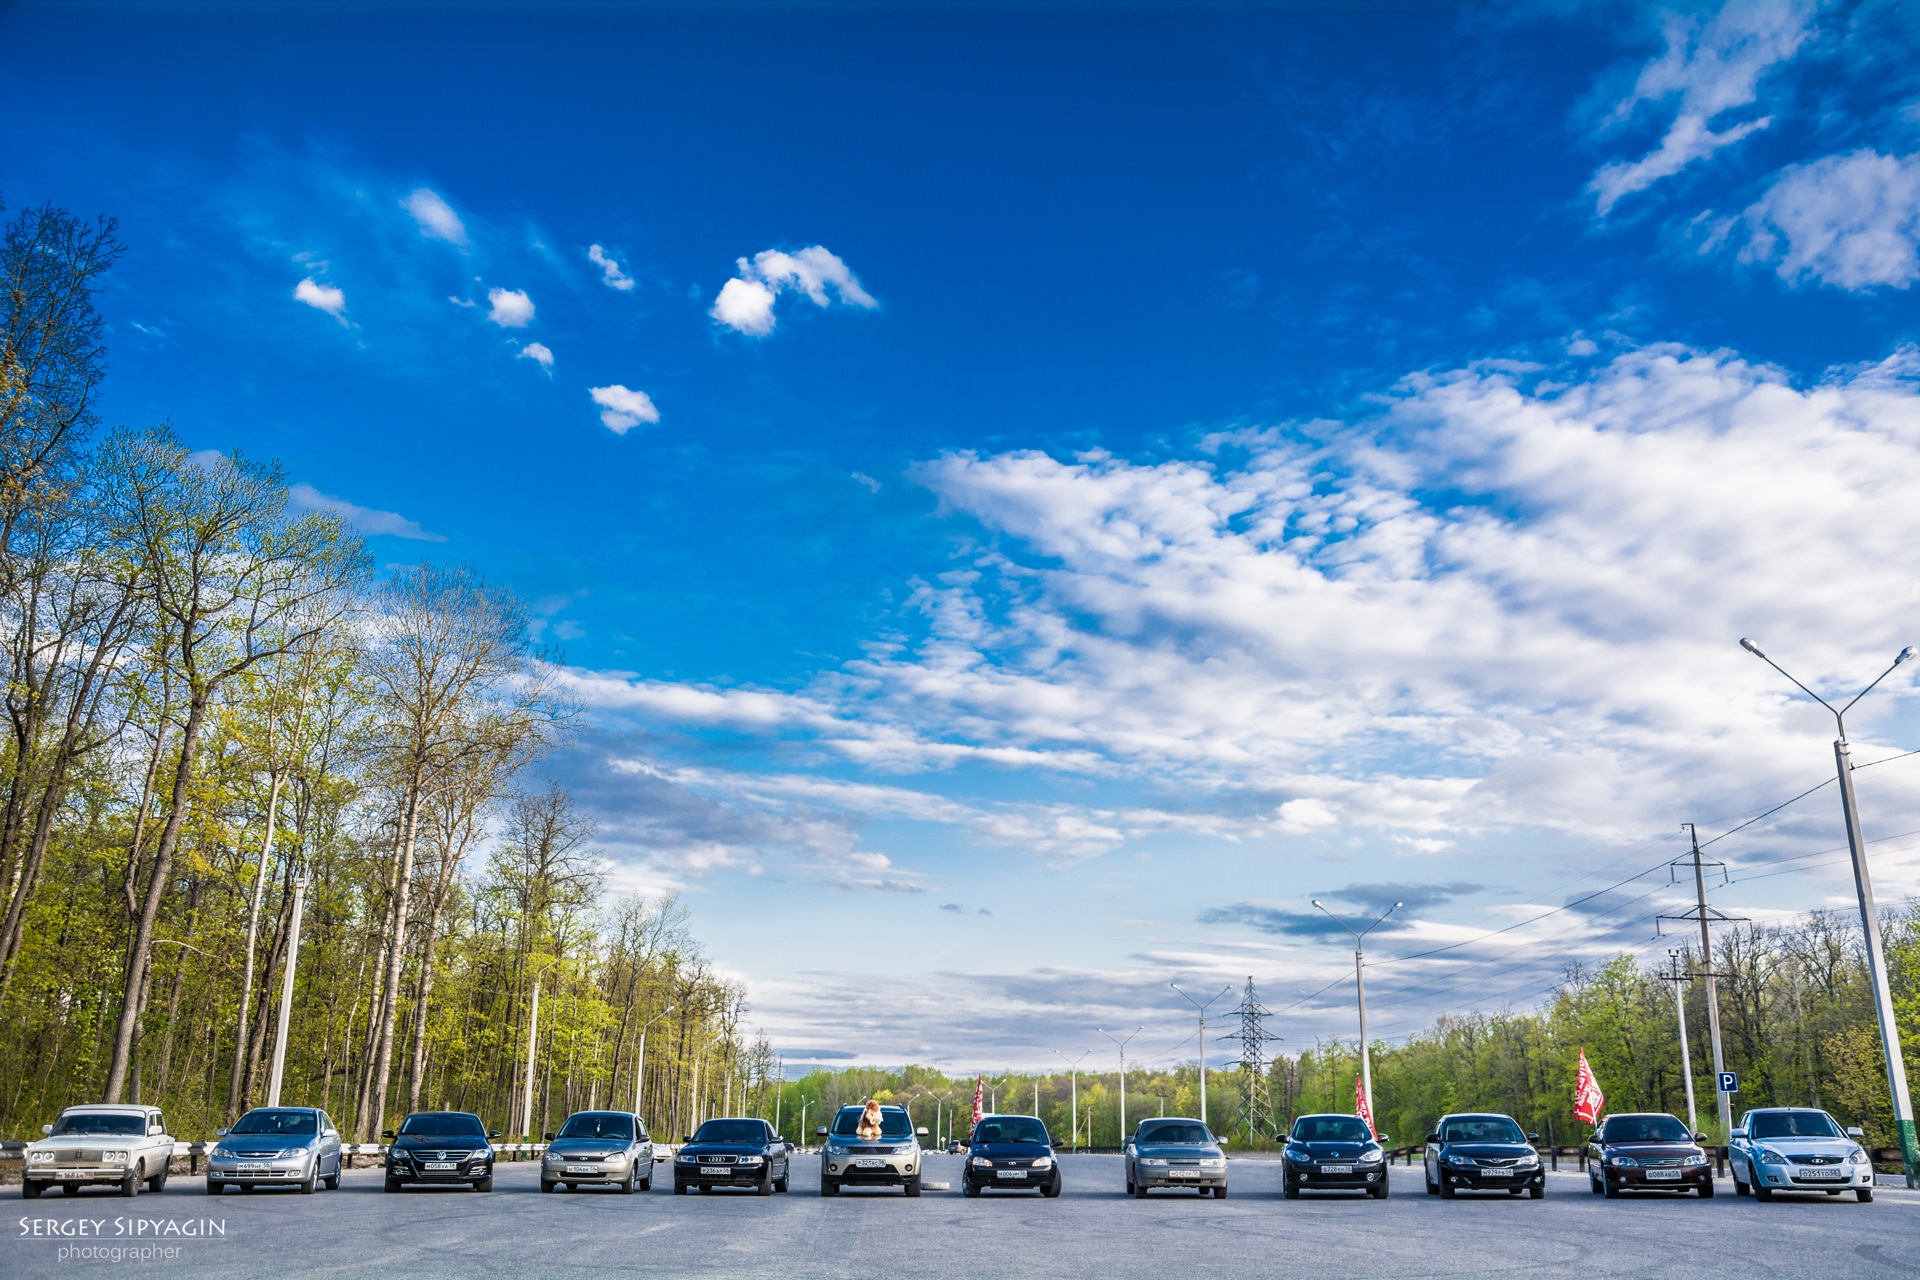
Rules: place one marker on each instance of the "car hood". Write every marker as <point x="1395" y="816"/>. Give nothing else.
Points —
<point x="247" y="1143"/>
<point x="1332" y="1150"/>
<point x="439" y="1142"/>
<point x="587" y="1146"/>
<point x="723" y="1149"/>
<point x="1808" y="1146"/>
<point x="1011" y="1150"/>
<point x="1640" y="1149"/>
<point x="1487" y="1150"/>
<point x="90" y="1141"/>
<point x="1178" y="1150"/>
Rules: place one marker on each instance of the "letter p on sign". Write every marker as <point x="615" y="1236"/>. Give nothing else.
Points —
<point x="1729" y="1082"/>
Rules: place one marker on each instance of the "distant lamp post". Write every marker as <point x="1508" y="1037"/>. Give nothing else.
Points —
<point x="533" y="1034"/>
<point x="1202" y="1008"/>
<point x="640" y="1059"/>
<point x="1121" y="1045"/>
<point x="1360" y="986"/>
<point x="1869" y="917"/>
<point x="1073" y="1076"/>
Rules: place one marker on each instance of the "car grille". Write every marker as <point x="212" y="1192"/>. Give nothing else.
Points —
<point x="1491" y="1162"/>
<point x="1816" y="1159"/>
<point x="719" y="1159"/>
<point x="883" y="1150"/>
<point x="1662" y="1162"/>
<point x="79" y="1157"/>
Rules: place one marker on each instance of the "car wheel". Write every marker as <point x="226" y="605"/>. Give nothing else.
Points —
<point x="646" y="1183"/>
<point x="1220" y="1192"/>
<point x="1139" y="1190"/>
<point x="764" y="1187"/>
<point x="828" y="1187"/>
<point x="158" y="1182"/>
<point x="1052" y="1189"/>
<point x="1760" y="1192"/>
<point x="1864" y="1194"/>
<point x="393" y="1184"/>
<point x="30" y="1190"/>
<point x="1537" y="1191"/>
<point x="913" y="1187"/>
<point x="1739" y="1188"/>
<point x="547" y="1186"/>
<point x="1289" y="1188"/>
<point x="1706" y="1189"/>
<point x="1379" y="1192"/>
<point x="679" y="1188"/>
<point x="780" y="1183"/>
<point x="130" y="1185"/>
<point x="1593" y="1181"/>
<point x="1446" y="1190"/>
<point x="484" y="1184"/>
<point x="1609" y="1188"/>
<point x="1432" y="1188"/>
<point x="969" y="1188"/>
<point x="332" y="1181"/>
<point x="1129" y="1186"/>
<point x="311" y="1182"/>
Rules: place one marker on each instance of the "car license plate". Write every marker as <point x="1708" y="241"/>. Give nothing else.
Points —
<point x="439" y="1164"/>
<point x="1496" y="1173"/>
<point x="1336" y="1168"/>
<point x="261" y="1168"/>
<point x="1663" y="1175"/>
<point x="716" y="1173"/>
<point x="70" y="1173"/>
<point x="1010" y="1173"/>
<point x="1183" y="1173"/>
<point x="869" y="1164"/>
<point x="1820" y="1174"/>
<point x="581" y="1168"/>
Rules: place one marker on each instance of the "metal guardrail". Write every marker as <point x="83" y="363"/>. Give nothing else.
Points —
<point x="194" y="1152"/>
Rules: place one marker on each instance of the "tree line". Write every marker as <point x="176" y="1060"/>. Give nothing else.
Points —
<point x="213" y="707"/>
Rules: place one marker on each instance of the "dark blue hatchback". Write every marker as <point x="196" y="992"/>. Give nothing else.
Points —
<point x="1011" y="1153"/>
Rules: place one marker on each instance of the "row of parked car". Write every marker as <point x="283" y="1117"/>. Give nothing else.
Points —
<point x="1775" y="1149"/>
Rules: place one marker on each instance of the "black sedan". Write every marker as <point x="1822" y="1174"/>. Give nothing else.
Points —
<point x="1333" y="1153"/>
<point x="732" y="1153"/>
<point x="1011" y="1153"/>
<point x="1647" y="1152"/>
<point x="440" y="1147"/>
<point x="1483" y="1152"/>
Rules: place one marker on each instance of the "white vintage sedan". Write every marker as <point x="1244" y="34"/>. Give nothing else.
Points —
<point x="122" y="1145"/>
<point x="1797" y="1149"/>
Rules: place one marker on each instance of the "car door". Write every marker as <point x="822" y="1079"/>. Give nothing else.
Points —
<point x="1737" y="1147"/>
<point x="329" y="1144"/>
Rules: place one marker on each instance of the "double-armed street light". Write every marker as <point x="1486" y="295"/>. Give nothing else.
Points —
<point x="1869" y="917"/>
<point x="1073" y="1076"/>
<point x="640" y="1058"/>
<point x="1121" y="1045"/>
<point x="1360" y="986"/>
<point x="1202" y="1009"/>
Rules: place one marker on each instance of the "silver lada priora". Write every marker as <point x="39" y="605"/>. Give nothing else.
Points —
<point x="599" y="1148"/>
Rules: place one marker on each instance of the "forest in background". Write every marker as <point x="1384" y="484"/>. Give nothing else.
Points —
<point x="211" y="701"/>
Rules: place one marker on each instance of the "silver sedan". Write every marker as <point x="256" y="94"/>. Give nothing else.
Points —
<point x="1175" y="1152"/>
<point x="599" y="1148"/>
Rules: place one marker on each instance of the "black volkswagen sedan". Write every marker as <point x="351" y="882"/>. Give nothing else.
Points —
<point x="440" y="1148"/>
<point x="1333" y="1153"/>
<point x="1483" y="1152"/>
<point x="735" y="1152"/>
<point x="1647" y="1152"/>
<point x="1011" y="1153"/>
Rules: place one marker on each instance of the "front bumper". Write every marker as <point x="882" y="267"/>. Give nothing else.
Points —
<point x="1146" y="1175"/>
<point x="463" y="1171"/>
<point x="1483" y="1179"/>
<point x="867" y="1170"/>
<point x="250" y="1169"/>
<point x="1311" y="1177"/>
<point x="75" y="1175"/>
<point x="720" y="1175"/>
<point x="574" y="1172"/>
<point x="1813" y="1177"/>
<point x="1013" y="1177"/>
<point x="1691" y="1177"/>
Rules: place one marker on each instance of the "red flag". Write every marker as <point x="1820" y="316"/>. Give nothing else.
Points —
<point x="1361" y="1107"/>
<point x="1588" y="1101"/>
<point x="979" y="1096"/>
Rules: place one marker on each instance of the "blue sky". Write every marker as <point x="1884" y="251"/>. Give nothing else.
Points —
<point x="1031" y="499"/>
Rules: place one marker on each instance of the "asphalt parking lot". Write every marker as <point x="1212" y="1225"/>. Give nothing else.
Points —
<point x="1092" y="1230"/>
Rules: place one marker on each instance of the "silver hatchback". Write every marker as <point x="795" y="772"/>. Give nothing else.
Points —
<point x="599" y="1148"/>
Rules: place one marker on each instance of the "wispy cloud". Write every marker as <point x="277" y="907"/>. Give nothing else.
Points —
<point x="745" y="303"/>
<point x="322" y="297"/>
<point x="367" y="520"/>
<point x="436" y="217"/>
<point x="1851" y="221"/>
<point x="539" y="353"/>
<point x="622" y="409"/>
<point x="1711" y="66"/>
<point x="610" y="273"/>
<point x="511" y="308"/>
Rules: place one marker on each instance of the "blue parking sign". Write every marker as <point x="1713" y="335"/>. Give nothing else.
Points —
<point x="1729" y="1082"/>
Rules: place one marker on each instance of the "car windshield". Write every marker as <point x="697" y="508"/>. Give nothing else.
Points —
<point x="1646" y="1129"/>
<point x="1792" y="1124"/>
<point x="298" y="1123"/>
<point x="731" y="1131"/>
<point x="1331" y="1129"/>
<point x="1482" y="1129"/>
<point x="444" y="1124"/>
<point x="894" y="1122"/>
<point x="598" y="1124"/>
<point x="1183" y="1131"/>
<point x="100" y="1122"/>
<point x="1010" y="1129"/>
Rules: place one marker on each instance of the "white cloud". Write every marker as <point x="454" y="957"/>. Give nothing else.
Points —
<point x="367" y="520"/>
<point x="322" y="297"/>
<point x="610" y="272"/>
<point x="512" y="309"/>
<point x="435" y="216"/>
<point x="745" y="303"/>
<point x="1852" y="221"/>
<point x="621" y="409"/>
<point x="539" y="353"/>
<point x="1711" y="66"/>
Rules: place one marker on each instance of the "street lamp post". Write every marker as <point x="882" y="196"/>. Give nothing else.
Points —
<point x="533" y="1032"/>
<point x="1122" y="1046"/>
<point x="1360" y="986"/>
<point x="945" y="1100"/>
<point x="640" y="1059"/>
<point x="286" y="993"/>
<point x="1202" y="1008"/>
<point x="1869" y="917"/>
<point x="1073" y="1077"/>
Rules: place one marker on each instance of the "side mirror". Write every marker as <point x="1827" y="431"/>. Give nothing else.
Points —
<point x="547" y="1136"/>
<point x="1855" y="1131"/>
<point x="1433" y="1137"/>
<point x="331" y="1133"/>
<point x="1282" y="1139"/>
<point x="1700" y="1138"/>
<point x="492" y="1134"/>
<point x="688" y="1138"/>
<point x="47" y="1128"/>
<point x="1533" y="1137"/>
<point x="1222" y="1141"/>
<point x="820" y="1132"/>
<point x="921" y="1132"/>
<point x="779" y="1137"/>
<point x="1383" y="1139"/>
<point x="386" y="1133"/>
<point x="1738" y="1133"/>
<point x="789" y="1146"/>
<point x="221" y="1132"/>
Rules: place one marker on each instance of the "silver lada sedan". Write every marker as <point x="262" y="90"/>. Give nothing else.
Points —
<point x="599" y="1148"/>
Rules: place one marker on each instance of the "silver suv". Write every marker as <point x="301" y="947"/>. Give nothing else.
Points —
<point x="116" y="1144"/>
<point x="891" y="1160"/>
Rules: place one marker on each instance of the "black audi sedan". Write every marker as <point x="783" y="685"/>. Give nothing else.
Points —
<point x="441" y="1148"/>
<point x="1647" y="1152"/>
<point x="1332" y="1153"/>
<point x="733" y="1152"/>
<point x="1483" y="1152"/>
<point x="1011" y="1153"/>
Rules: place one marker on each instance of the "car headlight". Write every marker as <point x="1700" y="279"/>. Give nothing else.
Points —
<point x="1623" y="1162"/>
<point x="1152" y="1161"/>
<point x="1527" y="1161"/>
<point x="1215" y="1163"/>
<point x="1696" y="1159"/>
<point x="981" y="1162"/>
<point x="292" y="1153"/>
<point x="113" y="1157"/>
<point x="1044" y="1162"/>
<point x="1374" y="1156"/>
<point x="750" y="1160"/>
<point x="1460" y="1161"/>
<point x="551" y="1158"/>
<point x="39" y="1157"/>
<point x="1302" y="1157"/>
<point x="1770" y="1156"/>
<point x="1857" y="1157"/>
<point x="836" y="1149"/>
